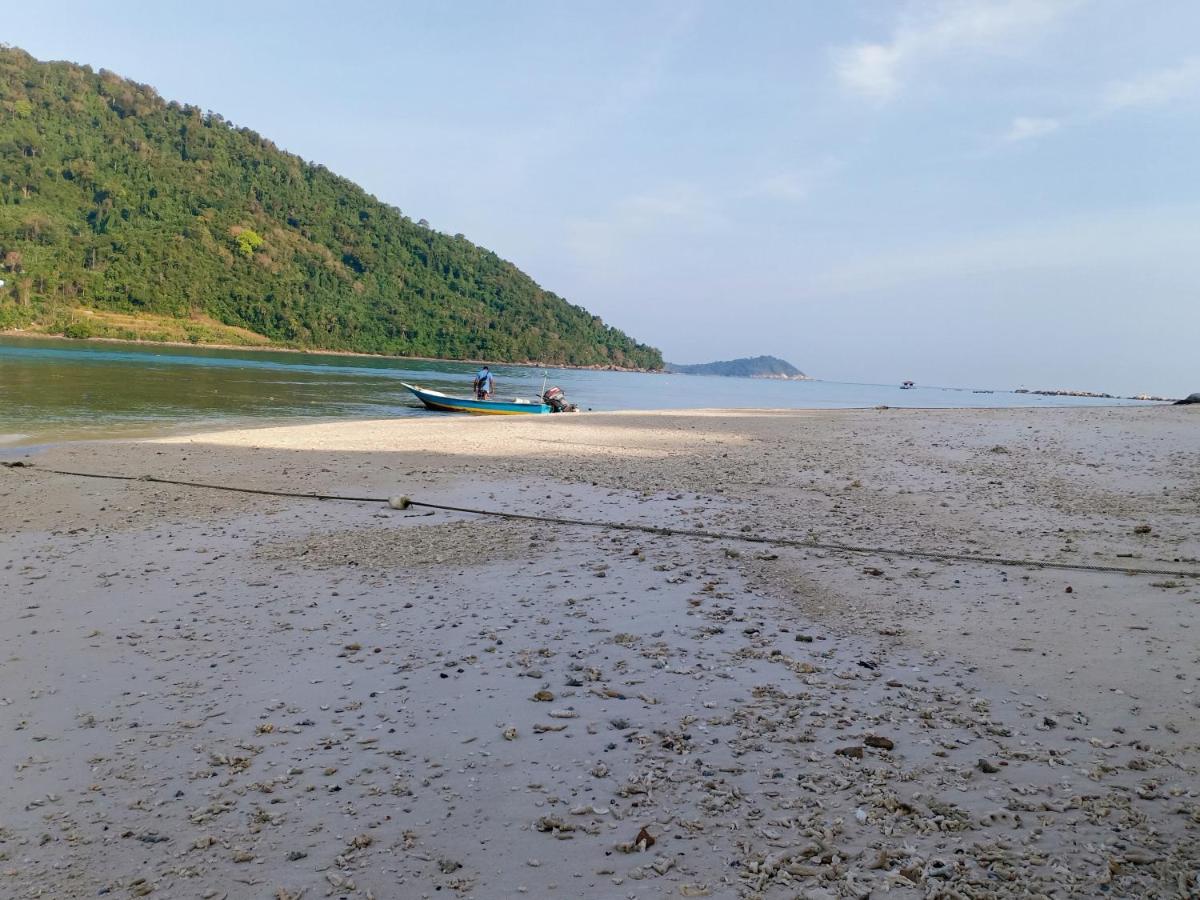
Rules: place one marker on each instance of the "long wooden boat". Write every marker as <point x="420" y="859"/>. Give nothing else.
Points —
<point x="436" y="400"/>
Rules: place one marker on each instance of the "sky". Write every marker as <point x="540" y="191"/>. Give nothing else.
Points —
<point x="977" y="193"/>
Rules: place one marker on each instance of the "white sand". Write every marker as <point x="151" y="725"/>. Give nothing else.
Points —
<point x="217" y="695"/>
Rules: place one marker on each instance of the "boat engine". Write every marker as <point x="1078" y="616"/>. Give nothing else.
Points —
<point x="557" y="401"/>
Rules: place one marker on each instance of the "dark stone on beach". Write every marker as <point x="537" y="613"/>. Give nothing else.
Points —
<point x="1190" y="398"/>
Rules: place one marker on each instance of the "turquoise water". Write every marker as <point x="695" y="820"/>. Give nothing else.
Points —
<point x="55" y="390"/>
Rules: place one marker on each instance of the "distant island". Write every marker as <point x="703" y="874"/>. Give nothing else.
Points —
<point x="130" y="217"/>
<point x="749" y="367"/>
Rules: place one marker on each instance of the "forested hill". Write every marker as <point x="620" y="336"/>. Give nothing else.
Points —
<point x="115" y="200"/>
<point x="752" y="367"/>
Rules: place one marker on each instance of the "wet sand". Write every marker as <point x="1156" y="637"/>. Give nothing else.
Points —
<point x="219" y="695"/>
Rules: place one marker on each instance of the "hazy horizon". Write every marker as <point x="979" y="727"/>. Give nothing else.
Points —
<point x="976" y="194"/>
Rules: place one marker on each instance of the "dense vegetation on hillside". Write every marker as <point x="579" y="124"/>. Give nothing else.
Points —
<point x="114" y="199"/>
<point x="753" y="367"/>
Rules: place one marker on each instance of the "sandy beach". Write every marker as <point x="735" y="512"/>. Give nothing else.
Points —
<point x="218" y="695"/>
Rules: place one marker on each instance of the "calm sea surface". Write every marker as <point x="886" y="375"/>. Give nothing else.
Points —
<point x="57" y="390"/>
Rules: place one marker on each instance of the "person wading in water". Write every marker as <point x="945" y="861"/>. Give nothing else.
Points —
<point x="485" y="384"/>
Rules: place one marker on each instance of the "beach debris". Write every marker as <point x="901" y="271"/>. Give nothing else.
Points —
<point x="644" y="841"/>
<point x="555" y="826"/>
<point x="586" y="809"/>
<point x="738" y="756"/>
<point x="338" y="881"/>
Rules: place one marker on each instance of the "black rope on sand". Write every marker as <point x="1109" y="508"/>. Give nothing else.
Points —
<point x="402" y="502"/>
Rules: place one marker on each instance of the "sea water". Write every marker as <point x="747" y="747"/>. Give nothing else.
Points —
<point x="58" y="389"/>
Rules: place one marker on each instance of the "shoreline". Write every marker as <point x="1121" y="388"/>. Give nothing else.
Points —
<point x="1058" y="392"/>
<point x="330" y="696"/>
<point x="232" y="423"/>
<point x="19" y="333"/>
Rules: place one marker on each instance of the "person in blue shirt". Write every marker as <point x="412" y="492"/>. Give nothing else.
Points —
<point x="485" y="384"/>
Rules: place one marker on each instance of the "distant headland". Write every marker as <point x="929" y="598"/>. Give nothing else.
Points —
<point x="748" y="367"/>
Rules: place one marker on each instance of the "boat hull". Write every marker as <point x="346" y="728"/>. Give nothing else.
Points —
<point x="439" y="402"/>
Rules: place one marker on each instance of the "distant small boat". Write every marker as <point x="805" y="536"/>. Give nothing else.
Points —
<point x="907" y="386"/>
<point x="436" y="400"/>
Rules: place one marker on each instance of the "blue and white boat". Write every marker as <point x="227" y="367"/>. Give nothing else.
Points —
<point x="436" y="400"/>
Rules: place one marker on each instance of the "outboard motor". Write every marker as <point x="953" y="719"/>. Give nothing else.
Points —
<point x="557" y="401"/>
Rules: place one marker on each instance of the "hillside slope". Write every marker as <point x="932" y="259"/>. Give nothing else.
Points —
<point x="114" y="199"/>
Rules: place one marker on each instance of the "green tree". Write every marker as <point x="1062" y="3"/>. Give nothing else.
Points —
<point x="248" y="241"/>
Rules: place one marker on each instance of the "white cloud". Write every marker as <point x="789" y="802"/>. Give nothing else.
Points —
<point x="1141" y="240"/>
<point x="1155" y="88"/>
<point x="680" y="203"/>
<point x="1026" y="128"/>
<point x="876" y="70"/>
<point x="785" y="186"/>
<point x="794" y="184"/>
<point x="677" y="208"/>
<point x="870" y="69"/>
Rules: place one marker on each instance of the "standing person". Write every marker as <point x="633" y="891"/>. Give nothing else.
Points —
<point x="485" y="384"/>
